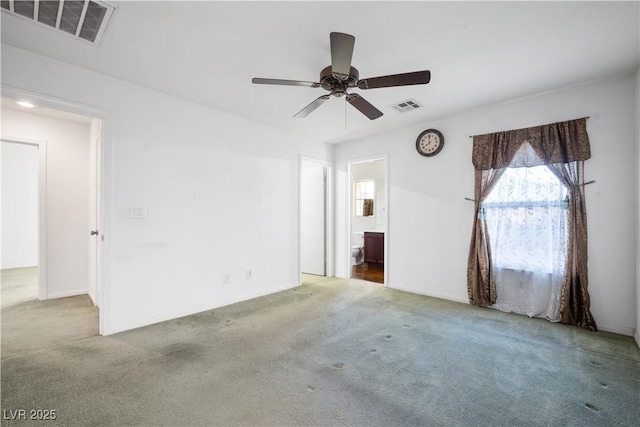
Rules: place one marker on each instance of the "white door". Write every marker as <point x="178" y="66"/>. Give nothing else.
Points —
<point x="94" y="233"/>
<point x="23" y="226"/>
<point x="313" y="221"/>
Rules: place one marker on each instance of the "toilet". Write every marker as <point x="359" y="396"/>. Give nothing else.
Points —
<point x="357" y="248"/>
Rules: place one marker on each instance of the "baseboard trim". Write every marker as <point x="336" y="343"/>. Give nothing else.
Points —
<point x="447" y="296"/>
<point x="629" y="332"/>
<point x="64" y="294"/>
<point x="176" y="314"/>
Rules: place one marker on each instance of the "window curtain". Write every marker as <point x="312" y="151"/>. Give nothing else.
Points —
<point x="575" y="303"/>
<point x="563" y="146"/>
<point x="481" y="282"/>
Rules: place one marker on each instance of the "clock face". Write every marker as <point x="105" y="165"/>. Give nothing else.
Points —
<point x="429" y="142"/>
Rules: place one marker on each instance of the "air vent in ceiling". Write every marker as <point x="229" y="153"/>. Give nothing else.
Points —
<point x="408" y="105"/>
<point x="84" y="19"/>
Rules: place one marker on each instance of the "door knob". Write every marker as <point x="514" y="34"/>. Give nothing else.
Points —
<point x="94" y="232"/>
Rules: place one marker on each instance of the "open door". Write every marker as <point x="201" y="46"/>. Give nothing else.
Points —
<point x="313" y="217"/>
<point x="94" y="233"/>
<point x="22" y="196"/>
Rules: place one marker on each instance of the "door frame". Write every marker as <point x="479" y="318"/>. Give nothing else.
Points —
<point x="349" y="210"/>
<point x="328" y="214"/>
<point x="103" y="258"/>
<point x="41" y="146"/>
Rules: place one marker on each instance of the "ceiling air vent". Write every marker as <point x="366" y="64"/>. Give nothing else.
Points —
<point x="408" y="105"/>
<point x="84" y="19"/>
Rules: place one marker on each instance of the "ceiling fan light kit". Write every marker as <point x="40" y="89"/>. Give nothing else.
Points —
<point x="339" y="77"/>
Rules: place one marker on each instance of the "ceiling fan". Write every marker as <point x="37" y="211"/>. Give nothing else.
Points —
<point x="340" y="76"/>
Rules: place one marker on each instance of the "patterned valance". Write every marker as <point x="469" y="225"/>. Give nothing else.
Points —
<point x="561" y="142"/>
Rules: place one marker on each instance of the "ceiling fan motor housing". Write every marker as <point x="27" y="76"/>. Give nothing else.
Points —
<point x="337" y="86"/>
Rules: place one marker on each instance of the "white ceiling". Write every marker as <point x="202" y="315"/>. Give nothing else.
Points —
<point x="479" y="53"/>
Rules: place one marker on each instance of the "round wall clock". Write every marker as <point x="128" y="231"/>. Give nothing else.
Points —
<point x="430" y="142"/>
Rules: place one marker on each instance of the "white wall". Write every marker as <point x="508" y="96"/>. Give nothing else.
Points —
<point x="67" y="196"/>
<point x="19" y="205"/>
<point x="430" y="222"/>
<point x="221" y="195"/>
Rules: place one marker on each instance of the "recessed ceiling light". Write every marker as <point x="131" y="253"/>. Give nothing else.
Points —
<point x="25" y="104"/>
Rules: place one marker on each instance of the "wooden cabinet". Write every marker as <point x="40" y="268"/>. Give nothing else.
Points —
<point x="374" y="247"/>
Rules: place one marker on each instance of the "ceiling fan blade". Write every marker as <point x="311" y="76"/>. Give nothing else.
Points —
<point x="341" y="53"/>
<point x="260" y="81"/>
<point x="363" y="106"/>
<point x="404" y="79"/>
<point x="311" y="107"/>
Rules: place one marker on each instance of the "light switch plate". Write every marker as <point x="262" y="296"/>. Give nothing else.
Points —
<point x="138" y="212"/>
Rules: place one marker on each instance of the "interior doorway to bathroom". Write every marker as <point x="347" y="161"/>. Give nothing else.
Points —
<point x="368" y="219"/>
<point x="315" y="245"/>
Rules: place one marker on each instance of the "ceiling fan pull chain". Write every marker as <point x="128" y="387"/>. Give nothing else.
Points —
<point x="345" y="113"/>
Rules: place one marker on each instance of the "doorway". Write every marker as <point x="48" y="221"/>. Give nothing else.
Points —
<point x="69" y="193"/>
<point x="368" y="219"/>
<point x="315" y="217"/>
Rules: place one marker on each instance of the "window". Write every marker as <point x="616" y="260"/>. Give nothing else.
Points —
<point x="363" y="195"/>
<point x="526" y="219"/>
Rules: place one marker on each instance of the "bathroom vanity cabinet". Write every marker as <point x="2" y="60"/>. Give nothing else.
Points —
<point x="373" y="247"/>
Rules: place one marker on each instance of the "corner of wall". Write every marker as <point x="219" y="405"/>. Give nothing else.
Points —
<point x="636" y="334"/>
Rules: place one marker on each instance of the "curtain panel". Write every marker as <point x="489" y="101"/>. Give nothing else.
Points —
<point x="481" y="283"/>
<point x="563" y="147"/>
<point x="575" y="303"/>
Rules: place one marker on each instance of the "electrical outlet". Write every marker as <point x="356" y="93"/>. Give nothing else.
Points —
<point x="249" y="274"/>
<point x="226" y="279"/>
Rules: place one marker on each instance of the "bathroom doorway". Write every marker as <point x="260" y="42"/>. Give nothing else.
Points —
<point x="368" y="219"/>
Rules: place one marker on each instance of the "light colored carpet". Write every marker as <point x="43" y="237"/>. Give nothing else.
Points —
<point x="331" y="352"/>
